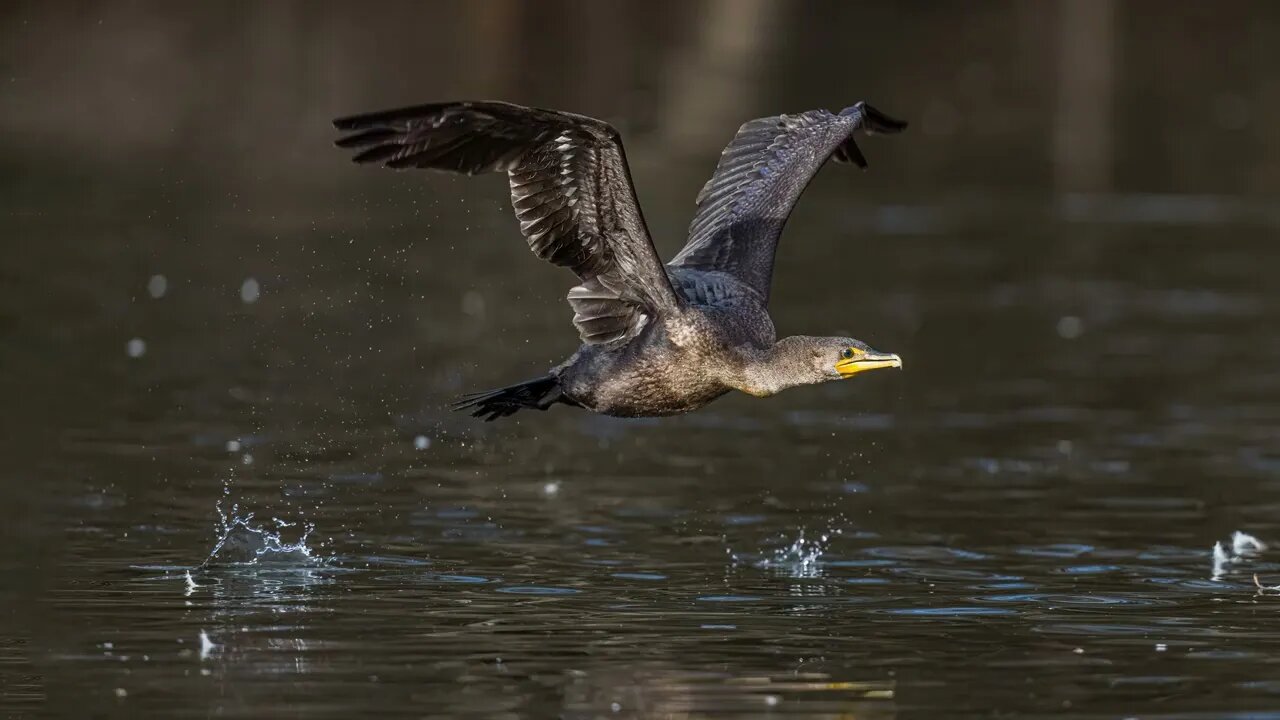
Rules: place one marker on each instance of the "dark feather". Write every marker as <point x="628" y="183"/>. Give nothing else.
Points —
<point x="761" y="174"/>
<point x="570" y="188"/>
<point x="368" y="137"/>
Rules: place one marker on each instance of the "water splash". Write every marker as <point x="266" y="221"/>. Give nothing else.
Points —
<point x="1244" y="544"/>
<point x="207" y="646"/>
<point x="1221" y="560"/>
<point x="242" y="541"/>
<point x="1243" y="547"/>
<point x="802" y="558"/>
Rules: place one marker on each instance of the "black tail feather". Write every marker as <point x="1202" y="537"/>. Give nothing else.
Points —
<point x="538" y="394"/>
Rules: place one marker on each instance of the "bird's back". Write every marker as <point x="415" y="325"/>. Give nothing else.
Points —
<point x="674" y="364"/>
<point x="736" y="308"/>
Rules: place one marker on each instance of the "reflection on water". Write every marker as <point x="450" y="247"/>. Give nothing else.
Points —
<point x="231" y="488"/>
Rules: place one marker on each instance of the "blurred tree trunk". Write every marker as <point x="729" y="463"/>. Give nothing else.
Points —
<point x="493" y="53"/>
<point x="1082" y="147"/>
<point x="712" y="84"/>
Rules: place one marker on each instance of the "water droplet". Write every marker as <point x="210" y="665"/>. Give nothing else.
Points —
<point x="250" y="290"/>
<point x="473" y="304"/>
<point x="551" y="488"/>
<point x="122" y="693"/>
<point x="136" y="347"/>
<point x="616" y="707"/>
<point x="1070" y="327"/>
<point x="247" y="459"/>
<point x="421" y="442"/>
<point x="233" y="446"/>
<point x="157" y="286"/>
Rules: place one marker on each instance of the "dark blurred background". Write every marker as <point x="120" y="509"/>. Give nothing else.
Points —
<point x="1095" y="95"/>
<point x="194" y="142"/>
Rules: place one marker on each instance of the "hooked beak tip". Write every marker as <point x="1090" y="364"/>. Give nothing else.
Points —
<point x="869" y="361"/>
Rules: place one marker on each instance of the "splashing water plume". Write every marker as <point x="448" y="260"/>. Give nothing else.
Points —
<point x="207" y="646"/>
<point x="241" y="541"/>
<point x="1243" y="547"/>
<point x="802" y="558"/>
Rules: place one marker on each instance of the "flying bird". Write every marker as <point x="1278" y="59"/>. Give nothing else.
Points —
<point x="656" y="339"/>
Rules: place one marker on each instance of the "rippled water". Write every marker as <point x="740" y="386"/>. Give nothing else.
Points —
<point x="230" y="486"/>
<point x="1019" y="522"/>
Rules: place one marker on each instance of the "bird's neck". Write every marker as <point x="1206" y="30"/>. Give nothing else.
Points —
<point x="785" y="364"/>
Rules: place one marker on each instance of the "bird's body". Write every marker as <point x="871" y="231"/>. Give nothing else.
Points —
<point x="647" y="377"/>
<point x="657" y="339"/>
<point x="675" y="364"/>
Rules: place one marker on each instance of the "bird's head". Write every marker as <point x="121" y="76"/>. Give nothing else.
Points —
<point x="841" y="358"/>
<point x="808" y="360"/>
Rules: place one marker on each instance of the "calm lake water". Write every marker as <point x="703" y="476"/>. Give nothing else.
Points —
<point x="231" y="487"/>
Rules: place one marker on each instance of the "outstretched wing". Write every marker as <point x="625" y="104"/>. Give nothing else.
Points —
<point x="570" y="187"/>
<point x="743" y="207"/>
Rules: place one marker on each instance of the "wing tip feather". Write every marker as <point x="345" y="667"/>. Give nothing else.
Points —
<point x="873" y="120"/>
<point x="364" y="121"/>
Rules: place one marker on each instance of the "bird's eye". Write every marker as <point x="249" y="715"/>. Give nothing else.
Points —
<point x="847" y="354"/>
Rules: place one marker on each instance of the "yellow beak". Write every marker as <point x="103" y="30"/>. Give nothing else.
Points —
<point x="867" y="361"/>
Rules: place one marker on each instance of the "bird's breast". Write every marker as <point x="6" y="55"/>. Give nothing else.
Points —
<point x="654" y="375"/>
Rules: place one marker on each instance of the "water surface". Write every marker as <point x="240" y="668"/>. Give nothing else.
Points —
<point x="231" y="487"/>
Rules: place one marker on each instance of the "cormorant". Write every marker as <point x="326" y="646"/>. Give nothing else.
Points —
<point x="656" y="339"/>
